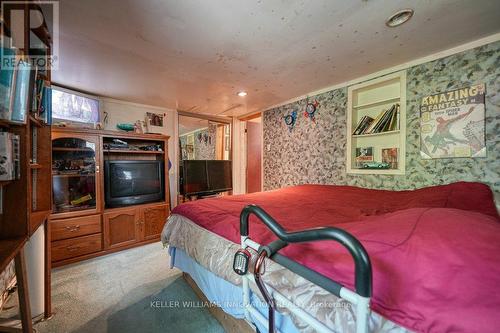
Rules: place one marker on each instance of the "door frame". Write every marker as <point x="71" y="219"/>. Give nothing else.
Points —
<point x="244" y="149"/>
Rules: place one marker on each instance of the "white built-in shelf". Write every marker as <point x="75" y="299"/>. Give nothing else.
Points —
<point x="380" y="102"/>
<point x="370" y="98"/>
<point x="376" y="134"/>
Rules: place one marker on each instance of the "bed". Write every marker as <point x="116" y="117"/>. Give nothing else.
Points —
<point x="433" y="252"/>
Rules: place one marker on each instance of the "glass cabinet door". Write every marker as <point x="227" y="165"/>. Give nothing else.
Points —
<point x="74" y="176"/>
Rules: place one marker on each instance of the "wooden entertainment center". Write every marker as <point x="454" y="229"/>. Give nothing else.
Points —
<point x="86" y="227"/>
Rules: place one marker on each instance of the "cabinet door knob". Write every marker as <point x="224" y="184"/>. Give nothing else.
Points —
<point x="72" y="248"/>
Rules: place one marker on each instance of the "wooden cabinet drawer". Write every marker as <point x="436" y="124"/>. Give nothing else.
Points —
<point x="74" y="227"/>
<point x="74" y="247"/>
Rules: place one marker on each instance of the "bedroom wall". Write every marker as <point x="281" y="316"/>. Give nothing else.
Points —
<point x="314" y="152"/>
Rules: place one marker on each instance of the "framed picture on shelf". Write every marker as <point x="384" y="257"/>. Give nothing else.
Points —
<point x="390" y="156"/>
<point x="154" y="122"/>
<point x="363" y="155"/>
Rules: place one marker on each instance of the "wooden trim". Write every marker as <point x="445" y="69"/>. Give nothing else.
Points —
<point x="207" y="117"/>
<point x="128" y="151"/>
<point x="37" y="219"/>
<point x="47" y="275"/>
<point x="9" y="249"/>
<point x="230" y="324"/>
<point x="146" y="205"/>
<point x="114" y="134"/>
<point x="22" y="289"/>
<point x="101" y="179"/>
<point x="250" y="117"/>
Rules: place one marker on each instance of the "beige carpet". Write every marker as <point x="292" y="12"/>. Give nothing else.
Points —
<point x="113" y="293"/>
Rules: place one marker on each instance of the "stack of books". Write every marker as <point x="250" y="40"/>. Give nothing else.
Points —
<point x="10" y="166"/>
<point x="23" y="91"/>
<point x="16" y="86"/>
<point x="386" y="121"/>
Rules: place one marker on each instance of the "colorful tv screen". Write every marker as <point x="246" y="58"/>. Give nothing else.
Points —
<point x="74" y="107"/>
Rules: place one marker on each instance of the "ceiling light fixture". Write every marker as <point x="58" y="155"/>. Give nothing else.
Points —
<point x="399" y="18"/>
<point x="242" y="93"/>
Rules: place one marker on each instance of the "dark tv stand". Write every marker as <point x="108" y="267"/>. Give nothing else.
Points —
<point x="203" y="195"/>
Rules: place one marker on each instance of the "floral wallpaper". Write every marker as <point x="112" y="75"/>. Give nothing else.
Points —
<point x="314" y="152"/>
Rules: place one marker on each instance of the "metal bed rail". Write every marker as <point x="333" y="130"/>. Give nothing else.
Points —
<point x="360" y="298"/>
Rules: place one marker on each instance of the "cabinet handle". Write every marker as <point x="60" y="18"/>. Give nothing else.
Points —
<point x="72" y="248"/>
<point x="73" y="229"/>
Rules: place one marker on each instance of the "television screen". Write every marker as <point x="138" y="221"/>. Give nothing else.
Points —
<point x="73" y="106"/>
<point x="133" y="182"/>
<point x="220" y="175"/>
<point x="195" y="176"/>
<point x="206" y="176"/>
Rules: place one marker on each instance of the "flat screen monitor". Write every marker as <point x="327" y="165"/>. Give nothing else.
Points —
<point x="205" y="176"/>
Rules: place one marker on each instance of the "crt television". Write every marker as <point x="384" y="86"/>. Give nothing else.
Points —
<point x="200" y="177"/>
<point x="133" y="182"/>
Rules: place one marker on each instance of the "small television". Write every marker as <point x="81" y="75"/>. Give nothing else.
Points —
<point x="133" y="182"/>
<point x="203" y="177"/>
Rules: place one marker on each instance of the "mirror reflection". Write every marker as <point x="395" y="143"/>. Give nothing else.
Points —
<point x="205" y="167"/>
<point x="202" y="139"/>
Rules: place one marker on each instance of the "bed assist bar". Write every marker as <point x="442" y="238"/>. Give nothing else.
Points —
<point x="363" y="271"/>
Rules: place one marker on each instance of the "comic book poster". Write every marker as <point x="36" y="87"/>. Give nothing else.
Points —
<point x="452" y="124"/>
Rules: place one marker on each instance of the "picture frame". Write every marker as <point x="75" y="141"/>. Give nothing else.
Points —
<point x="154" y="122"/>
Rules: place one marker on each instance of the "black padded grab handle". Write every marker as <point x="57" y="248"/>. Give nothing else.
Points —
<point x="362" y="264"/>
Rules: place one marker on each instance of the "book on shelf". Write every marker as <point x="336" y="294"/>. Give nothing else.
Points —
<point x="25" y="79"/>
<point x="10" y="167"/>
<point x="363" y="155"/>
<point x="362" y="125"/>
<point x="7" y="87"/>
<point x="387" y="120"/>
<point x="390" y="156"/>
<point x="46" y="105"/>
<point x="17" y="88"/>
<point x="380" y="126"/>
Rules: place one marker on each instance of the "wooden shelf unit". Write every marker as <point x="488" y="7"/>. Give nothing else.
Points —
<point x="370" y="99"/>
<point x="128" y="151"/>
<point x="26" y="205"/>
<point x="87" y="233"/>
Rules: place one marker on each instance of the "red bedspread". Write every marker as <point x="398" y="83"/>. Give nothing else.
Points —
<point x="434" y="251"/>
